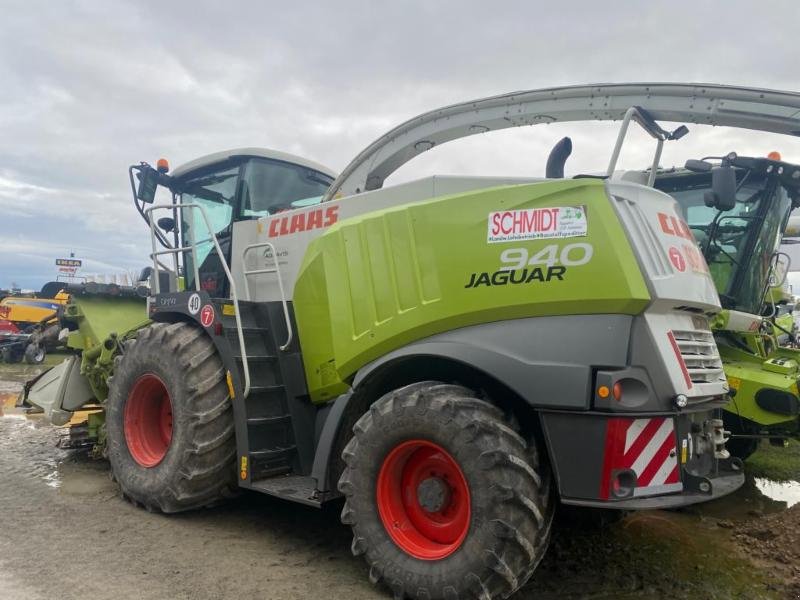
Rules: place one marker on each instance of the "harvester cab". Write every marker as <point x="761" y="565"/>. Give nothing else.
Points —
<point x="208" y="196"/>
<point x="453" y="355"/>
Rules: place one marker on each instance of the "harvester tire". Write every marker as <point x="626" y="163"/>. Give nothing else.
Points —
<point x="742" y="448"/>
<point x="169" y="421"/>
<point x="7" y="355"/>
<point x="35" y="354"/>
<point x="444" y="498"/>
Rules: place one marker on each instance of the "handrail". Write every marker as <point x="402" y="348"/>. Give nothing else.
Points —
<point x="193" y="249"/>
<point x="643" y="118"/>
<point x="277" y="271"/>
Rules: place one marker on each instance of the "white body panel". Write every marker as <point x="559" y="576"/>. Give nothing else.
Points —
<point x="291" y="247"/>
<point x="666" y="249"/>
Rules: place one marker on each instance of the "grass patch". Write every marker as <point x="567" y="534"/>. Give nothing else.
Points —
<point x="776" y="463"/>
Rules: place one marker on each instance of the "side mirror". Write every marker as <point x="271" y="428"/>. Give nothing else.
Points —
<point x="148" y="183"/>
<point x="781" y="262"/>
<point x="723" y="186"/>
<point x="145" y="274"/>
<point x="166" y="223"/>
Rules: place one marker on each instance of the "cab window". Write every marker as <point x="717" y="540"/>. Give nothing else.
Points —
<point x="215" y="192"/>
<point x="271" y="186"/>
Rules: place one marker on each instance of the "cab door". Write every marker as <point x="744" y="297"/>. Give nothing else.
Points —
<point x="215" y="190"/>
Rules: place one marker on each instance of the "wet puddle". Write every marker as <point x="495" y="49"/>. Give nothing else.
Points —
<point x="781" y="491"/>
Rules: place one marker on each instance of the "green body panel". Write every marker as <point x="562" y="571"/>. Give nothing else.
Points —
<point x="374" y="283"/>
<point x="747" y="373"/>
<point x="103" y="322"/>
<point x="778" y="294"/>
<point x="785" y="321"/>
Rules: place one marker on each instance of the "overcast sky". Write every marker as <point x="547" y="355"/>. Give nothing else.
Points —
<point x="88" y="88"/>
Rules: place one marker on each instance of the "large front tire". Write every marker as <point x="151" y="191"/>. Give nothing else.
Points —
<point x="445" y="500"/>
<point x="169" y="421"/>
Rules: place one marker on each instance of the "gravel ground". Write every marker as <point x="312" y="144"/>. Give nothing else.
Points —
<point x="65" y="533"/>
<point x="773" y="542"/>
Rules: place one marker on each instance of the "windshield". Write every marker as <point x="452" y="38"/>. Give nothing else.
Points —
<point x="215" y="193"/>
<point x="738" y="244"/>
<point x="272" y="186"/>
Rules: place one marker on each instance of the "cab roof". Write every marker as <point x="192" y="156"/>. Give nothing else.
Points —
<point x="218" y="157"/>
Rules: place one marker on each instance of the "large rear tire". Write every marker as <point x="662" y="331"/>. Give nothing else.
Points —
<point x="169" y="421"/>
<point x="445" y="500"/>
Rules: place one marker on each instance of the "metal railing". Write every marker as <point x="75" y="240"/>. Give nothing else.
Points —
<point x="277" y="270"/>
<point x="192" y="247"/>
<point x="643" y="118"/>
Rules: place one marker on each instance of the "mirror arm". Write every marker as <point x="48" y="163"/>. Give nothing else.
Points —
<point x="140" y="204"/>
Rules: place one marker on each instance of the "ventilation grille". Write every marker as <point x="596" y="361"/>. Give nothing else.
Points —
<point x="644" y="239"/>
<point x="700" y="355"/>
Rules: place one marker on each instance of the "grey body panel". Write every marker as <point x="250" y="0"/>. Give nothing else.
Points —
<point x="330" y="418"/>
<point x="548" y="361"/>
<point x="578" y="472"/>
<point x="708" y="104"/>
<point x="723" y="485"/>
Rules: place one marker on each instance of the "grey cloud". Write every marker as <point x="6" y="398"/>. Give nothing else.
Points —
<point x="88" y="88"/>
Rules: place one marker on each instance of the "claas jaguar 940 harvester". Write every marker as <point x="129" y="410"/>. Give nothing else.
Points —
<point x="452" y="355"/>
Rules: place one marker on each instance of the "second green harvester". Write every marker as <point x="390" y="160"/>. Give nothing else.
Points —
<point x="741" y="244"/>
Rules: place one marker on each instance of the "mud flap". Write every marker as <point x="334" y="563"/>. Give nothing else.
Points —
<point x="60" y="391"/>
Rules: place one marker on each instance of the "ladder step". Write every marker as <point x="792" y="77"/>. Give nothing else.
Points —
<point x="268" y="420"/>
<point x="265" y="388"/>
<point x="272" y="453"/>
<point x="291" y="487"/>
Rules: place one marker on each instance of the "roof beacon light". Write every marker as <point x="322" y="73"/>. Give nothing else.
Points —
<point x="162" y="165"/>
<point x="774" y="155"/>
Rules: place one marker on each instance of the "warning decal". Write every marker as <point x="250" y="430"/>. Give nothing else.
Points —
<point x="536" y="224"/>
<point x="207" y="315"/>
<point x="647" y="447"/>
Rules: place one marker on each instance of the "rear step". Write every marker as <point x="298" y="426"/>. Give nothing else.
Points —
<point x="297" y="488"/>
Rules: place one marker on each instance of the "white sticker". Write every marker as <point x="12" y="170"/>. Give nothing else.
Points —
<point x="194" y="303"/>
<point x="536" y="224"/>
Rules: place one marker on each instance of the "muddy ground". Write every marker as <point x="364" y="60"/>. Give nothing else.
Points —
<point x="66" y="534"/>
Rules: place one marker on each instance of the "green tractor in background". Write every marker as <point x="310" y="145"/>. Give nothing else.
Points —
<point x="740" y="243"/>
<point x="100" y="319"/>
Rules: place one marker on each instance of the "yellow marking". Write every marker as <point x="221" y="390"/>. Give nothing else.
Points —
<point x="229" y="310"/>
<point x="229" y="381"/>
<point x="684" y="451"/>
<point x="734" y="382"/>
<point x="8" y="401"/>
<point x="243" y="469"/>
<point x="260" y="227"/>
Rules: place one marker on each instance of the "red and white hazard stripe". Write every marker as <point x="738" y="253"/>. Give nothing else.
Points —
<point x="648" y="447"/>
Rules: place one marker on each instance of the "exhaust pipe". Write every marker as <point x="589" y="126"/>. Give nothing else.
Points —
<point x="558" y="157"/>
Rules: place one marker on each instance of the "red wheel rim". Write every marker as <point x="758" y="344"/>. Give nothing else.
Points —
<point x="423" y="500"/>
<point x="148" y="420"/>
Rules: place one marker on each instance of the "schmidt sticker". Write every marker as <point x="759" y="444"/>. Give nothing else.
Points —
<point x="537" y="224"/>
